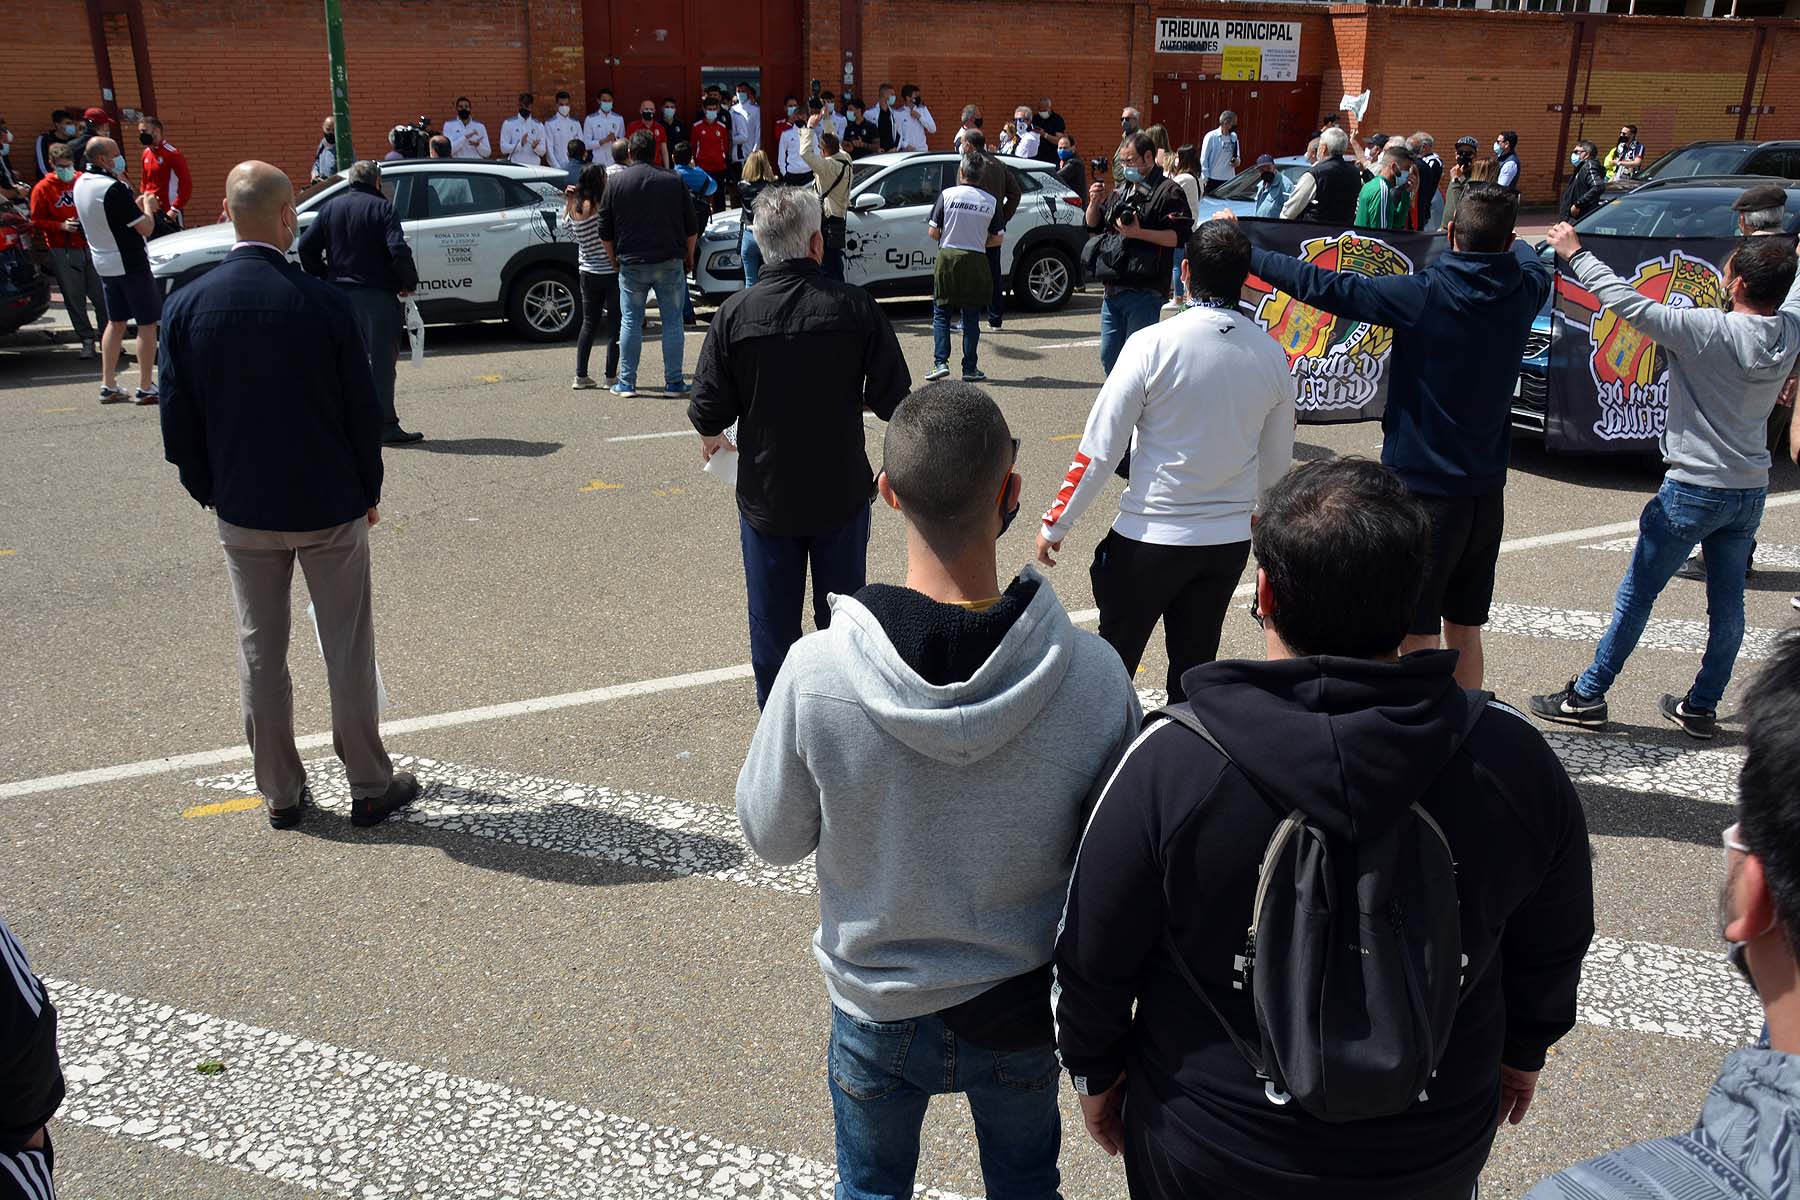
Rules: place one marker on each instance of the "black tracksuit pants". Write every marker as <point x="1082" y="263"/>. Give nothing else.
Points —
<point x="1187" y="587"/>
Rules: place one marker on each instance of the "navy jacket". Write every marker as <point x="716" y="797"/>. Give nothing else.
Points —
<point x="356" y="239"/>
<point x="268" y="403"/>
<point x="1459" y="332"/>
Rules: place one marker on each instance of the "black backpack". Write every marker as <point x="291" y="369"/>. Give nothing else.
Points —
<point x="1353" y="958"/>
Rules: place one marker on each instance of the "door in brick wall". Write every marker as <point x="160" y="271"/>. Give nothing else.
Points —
<point x="663" y="48"/>
<point x="1273" y="118"/>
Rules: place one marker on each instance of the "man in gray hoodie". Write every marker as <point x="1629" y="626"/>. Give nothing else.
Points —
<point x="1743" y="1147"/>
<point x="1726" y="368"/>
<point x="940" y="746"/>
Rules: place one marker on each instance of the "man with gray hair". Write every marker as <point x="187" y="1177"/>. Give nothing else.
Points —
<point x="357" y="244"/>
<point x="1430" y="170"/>
<point x="1219" y="156"/>
<point x="1327" y="193"/>
<point x="793" y="362"/>
<point x="270" y="414"/>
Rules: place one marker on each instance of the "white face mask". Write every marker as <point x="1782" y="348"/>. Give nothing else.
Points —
<point x="562" y="110"/>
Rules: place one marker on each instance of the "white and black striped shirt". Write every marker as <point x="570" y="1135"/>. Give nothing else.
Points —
<point x="33" y="1082"/>
<point x="590" y="245"/>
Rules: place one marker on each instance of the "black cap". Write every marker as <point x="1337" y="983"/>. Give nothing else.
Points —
<point x="1763" y="195"/>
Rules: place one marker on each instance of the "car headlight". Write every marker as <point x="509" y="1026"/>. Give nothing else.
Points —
<point x="724" y="262"/>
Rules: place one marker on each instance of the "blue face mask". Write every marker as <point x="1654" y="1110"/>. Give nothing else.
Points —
<point x="65" y="173"/>
<point x="606" y="106"/>
<point x="1065" y="153"/>
<point x="1402" y="177"/>
<point x="1133" y="175"/>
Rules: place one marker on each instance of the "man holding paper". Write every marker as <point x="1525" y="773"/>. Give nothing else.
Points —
<point x="269" y="412"/>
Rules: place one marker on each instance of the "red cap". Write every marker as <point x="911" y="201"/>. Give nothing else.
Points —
<point x="97" y="115"/>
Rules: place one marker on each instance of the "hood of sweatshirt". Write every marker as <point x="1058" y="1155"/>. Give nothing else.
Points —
<point x="1351" y="743"/>
<point x="958" y="723"/>
<point x="1469" y="279"/>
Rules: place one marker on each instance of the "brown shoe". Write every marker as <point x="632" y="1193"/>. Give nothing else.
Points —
<point x="373" y="810"/>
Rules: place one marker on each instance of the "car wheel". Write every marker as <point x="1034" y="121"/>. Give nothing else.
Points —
<point x="543" y="305"/>
<point x="1043" y="278"/>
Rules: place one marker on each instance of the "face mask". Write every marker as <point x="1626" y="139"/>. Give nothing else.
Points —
<point x="1738" y="952"/>
<point x="1499" y="148"/>
<point x="1023" y="124"/>
<point x="976" y="122"/>
<point x="1266" y="175"/>
<point x="330" y="137"/>
<point x="1575" y="157"/>
<point x="525" y="112"/>
<point x="118" y="167"/>
<point x="1065" y="153"/>
<point x="854" y="115"/>
<point x="462" y="114"/>
<point x="1128" y="124"/>
<point x="1044" y="113"/>
<point x="146" y="139"/>
<point x="68" y="131"/>
<point x="606" y="106"/>
<point x="646" y="115"/>
<point x="890" y="102"/>
<point x="66" y="174"/>
<point x="743" y="97"/>
<point x="562" y="110"/>
<point x="792" y="109"/>
<point x="1133" y="175"/>
<point x="668" y="113"/>
<point x="1007" y="515"/>
<point x="712" y="114"/>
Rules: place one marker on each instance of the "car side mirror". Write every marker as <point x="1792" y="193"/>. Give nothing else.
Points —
<point x="867" y="202"/>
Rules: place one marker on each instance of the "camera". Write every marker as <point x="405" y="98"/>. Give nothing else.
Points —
<point x="1097" y="166"/>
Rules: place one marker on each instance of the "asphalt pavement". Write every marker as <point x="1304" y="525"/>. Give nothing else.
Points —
<point x="562" y="974"/>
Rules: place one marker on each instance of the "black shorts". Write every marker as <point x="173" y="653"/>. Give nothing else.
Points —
<point x="136" y="297"/>
<point x="1462" y="548"/>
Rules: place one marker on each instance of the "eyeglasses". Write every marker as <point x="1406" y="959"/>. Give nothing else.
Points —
<point x="1729" y="841"/>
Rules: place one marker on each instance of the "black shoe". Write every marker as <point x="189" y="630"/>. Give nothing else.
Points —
<point x="1695" y="722"/>
<point x="1571" y="708"/>
<point x="287" y="818"/>
<point x="373" y="810"/>
<point x="1693" y="568"/>
<point x="994" y="323"/>
<point x="400" y="437"/>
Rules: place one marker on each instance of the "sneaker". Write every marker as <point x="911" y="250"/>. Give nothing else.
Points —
<point x="400" y="437"/>
<point x="676" y="389"/>
<point x="1695" y="566"/>
<point x="1695" y="722"/>
<point x="622" y="392"/>
<point x="1571" y="708"/>
<point x="996" y="322"/>
<point x="112" y="395"/>
<point x="938" y="371"/>
<point x="146" y="396"/>
<point x="88" y="352"/>
<point x="974" y="376"/>
<point x="287" y="818"/>
<point x="373" y="810"/>
<point x="1795" y="602"/>
<point x="583" y="383"/>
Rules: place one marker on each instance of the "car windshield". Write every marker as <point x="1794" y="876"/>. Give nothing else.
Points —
<point x="1243" y="186"/>
<point x="1696" y="160"/>
<point x="1676" y="212"/>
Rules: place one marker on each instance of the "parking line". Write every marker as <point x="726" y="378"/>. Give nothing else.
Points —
<point x="621" y="691"/>
<point x="650" y="437"/>
<point x="241" y="804"/>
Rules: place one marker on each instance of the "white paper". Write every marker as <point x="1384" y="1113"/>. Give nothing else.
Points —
<point x="415" y="331"/>
<point x="381" y="697"/>
<point x="1356" y="106"/>
<point x="723" y="466"/>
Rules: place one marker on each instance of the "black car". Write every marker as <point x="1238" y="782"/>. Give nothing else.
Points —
<point x="1779" y="159"/>
<point x="24" y="289"/>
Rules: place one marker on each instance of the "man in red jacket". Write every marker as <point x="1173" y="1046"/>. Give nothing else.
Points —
<point x="53" y="216"/>
<point x="711" y="138"/>
<point x="165" y="176"/>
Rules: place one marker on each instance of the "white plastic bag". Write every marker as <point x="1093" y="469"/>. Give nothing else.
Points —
<point x="415" y="331"/>
<point x="723" y="465"/>
<point x="381" y="697"/>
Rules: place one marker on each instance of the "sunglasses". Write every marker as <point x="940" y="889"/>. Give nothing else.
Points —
<point x="1001" y="498"/>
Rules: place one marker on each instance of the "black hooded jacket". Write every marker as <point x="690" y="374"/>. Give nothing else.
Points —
<point x="1172" y="854"/>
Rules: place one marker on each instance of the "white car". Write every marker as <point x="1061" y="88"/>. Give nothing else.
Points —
<point x="487" y="239"/>
<point x="887" y="250"/>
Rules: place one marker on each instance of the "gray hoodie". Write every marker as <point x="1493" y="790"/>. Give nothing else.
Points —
<point x="945" y="818"/>
<point x="1745" y="1146"/>
<point x="1725" y="371"/>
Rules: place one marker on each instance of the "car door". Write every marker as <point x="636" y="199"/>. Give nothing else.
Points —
<point x="462" y="235"/>
<point x="890" y="245"/>
<point x="1782" y="162"/>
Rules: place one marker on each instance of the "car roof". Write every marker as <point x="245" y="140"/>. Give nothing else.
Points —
<point x="408" y="166"/>
<point x="891" y="157"/>
<point x="1701" y="183"/>
<point x="1746" y="143"/>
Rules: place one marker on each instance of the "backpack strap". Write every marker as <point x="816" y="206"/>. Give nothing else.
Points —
<point x="1183" y="715"/>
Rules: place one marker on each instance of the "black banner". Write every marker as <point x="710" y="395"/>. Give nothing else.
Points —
<point x="1339" y="365"/>
<point x="1609" y="384"/>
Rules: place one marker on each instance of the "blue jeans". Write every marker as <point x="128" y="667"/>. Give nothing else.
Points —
<point x="882" y="1076"/>
<point x="1121" y="315"/>
<point x="775" y="577"/>
<point x="1722" y="521"/>
<point x="940" y="335"/>
<point x="751" y="253"/>
<point x="669" y="281"/>
<point x="1176" y="291"/>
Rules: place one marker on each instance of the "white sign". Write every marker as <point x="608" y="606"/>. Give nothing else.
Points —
<point x="1277" y="43"/>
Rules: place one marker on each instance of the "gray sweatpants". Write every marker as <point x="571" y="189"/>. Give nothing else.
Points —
<point x="336" y="564"/>
<point x="80" y="286"/>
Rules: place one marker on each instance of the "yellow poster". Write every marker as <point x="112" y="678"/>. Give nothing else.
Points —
<point x="1242" y="62"/>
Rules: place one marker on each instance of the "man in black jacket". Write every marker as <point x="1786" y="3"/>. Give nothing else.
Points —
<point x="648" y="223"/>
<point x="33" y="1075"/>
<point x="1146" y="206"/>
<point x="357" y="243"/>
<point x="794" y="362"/>
<point x="1586" y="186"/>
<point x="1339" y="727"/>
<point x="269" y="412"/>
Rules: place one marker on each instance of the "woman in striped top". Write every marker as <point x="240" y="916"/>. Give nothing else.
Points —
<point x="599" y="274"/>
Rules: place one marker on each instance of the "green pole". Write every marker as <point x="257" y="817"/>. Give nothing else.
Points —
<point x="340" y="82"/>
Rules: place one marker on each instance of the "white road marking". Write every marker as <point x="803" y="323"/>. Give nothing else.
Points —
<point x="1660" y="633"/>
<point x="1673" y="991"/>
<point x="564" y="817"/>
<point x="491" y="712"/>
<point x="1071" y="346"/>
<point x="349" y="1123"/>
<point x="1768" y="554"/>
<point x="651" y="437"/>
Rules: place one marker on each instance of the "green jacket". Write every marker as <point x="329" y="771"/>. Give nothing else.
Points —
<point x="1369" y="213"/>
<point x="961" y="279"/>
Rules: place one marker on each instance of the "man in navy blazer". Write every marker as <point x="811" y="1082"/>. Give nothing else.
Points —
<point x="269" y="412"/>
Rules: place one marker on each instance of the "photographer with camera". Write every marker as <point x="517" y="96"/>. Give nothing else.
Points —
<point x="1131" y="248"/>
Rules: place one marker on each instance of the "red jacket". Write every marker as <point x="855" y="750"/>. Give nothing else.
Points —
<point x="166" y="175"/>
<point x="712" y="140"/>
<point x="662" y="138"/>
<point x="52" y="203"/>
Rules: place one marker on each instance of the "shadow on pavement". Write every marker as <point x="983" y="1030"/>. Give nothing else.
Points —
<point x="492" y="447"/>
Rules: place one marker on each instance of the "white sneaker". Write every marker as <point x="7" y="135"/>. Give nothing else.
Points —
<point x="1795" y="601"/>
<point x="583" y="383"/>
